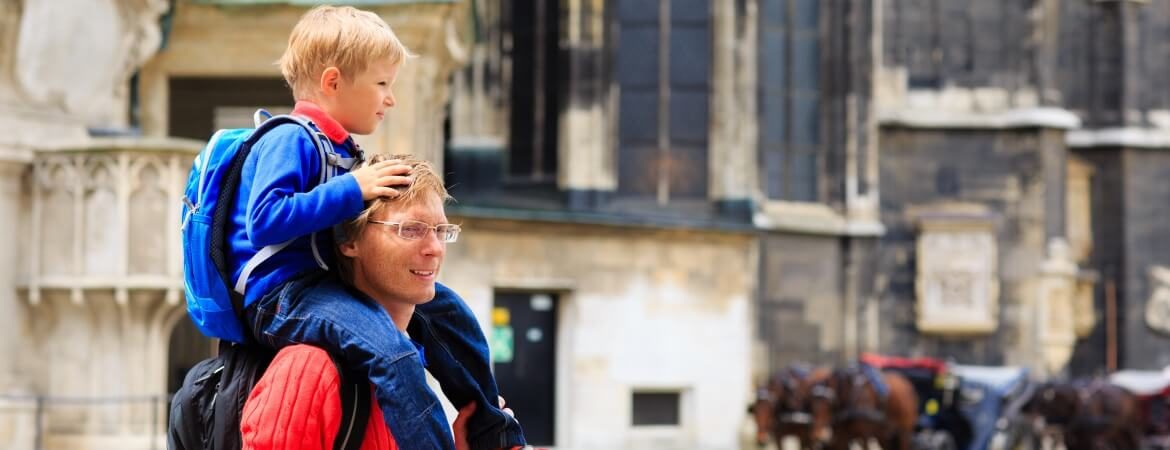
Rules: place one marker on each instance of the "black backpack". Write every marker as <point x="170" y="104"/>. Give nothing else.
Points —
<point x="206" y="410"/>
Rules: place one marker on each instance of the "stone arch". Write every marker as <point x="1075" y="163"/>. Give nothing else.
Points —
<point x="185" y="347"/>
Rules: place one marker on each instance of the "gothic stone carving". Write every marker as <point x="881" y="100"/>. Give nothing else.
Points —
<point x="1056" y="306"/>
<point x="957" y="283"/>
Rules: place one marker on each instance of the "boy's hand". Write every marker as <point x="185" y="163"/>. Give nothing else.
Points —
<point x="376" y="180"/>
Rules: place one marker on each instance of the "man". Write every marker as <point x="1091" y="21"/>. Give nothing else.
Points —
<point x="390" y="257"/>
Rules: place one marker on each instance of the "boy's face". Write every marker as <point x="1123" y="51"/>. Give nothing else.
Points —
<point x="362" y="99"/>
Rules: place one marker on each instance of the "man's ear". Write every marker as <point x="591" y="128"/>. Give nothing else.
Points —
<point x="330" y="81"/>
<point x="349" y="249"/>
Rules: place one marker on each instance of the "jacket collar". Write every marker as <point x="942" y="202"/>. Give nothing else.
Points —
<point x="324" y="122"/>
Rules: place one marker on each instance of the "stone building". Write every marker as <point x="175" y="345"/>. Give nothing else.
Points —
<point x="663" y="200"/>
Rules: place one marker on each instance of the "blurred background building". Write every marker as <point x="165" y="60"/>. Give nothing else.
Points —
<point x="664" y="199"/>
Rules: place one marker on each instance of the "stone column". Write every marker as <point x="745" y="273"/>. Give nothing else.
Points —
<point x="732" y="147"/>
<point x="586" y="171"/>
<point x="13" y="204"/>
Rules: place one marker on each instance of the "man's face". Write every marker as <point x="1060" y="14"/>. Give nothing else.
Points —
<point x="390" y="268"/>
<point x="364" y="98"/>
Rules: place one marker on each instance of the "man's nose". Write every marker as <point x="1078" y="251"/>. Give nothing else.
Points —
<point x="432" y="245"/>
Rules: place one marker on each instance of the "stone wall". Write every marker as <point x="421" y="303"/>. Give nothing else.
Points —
<point x="1145" y="178"/>
<point x="1011" y="173"/>
<point x="801" y="300"/>
<point x="1129" y="187"/>
<point x="640" y="308"/>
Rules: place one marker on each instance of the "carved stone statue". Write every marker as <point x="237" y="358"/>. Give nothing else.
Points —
<point x="1056" y="306"/>
<point x="1158" y="306"/>
<point x="74" y="57"/>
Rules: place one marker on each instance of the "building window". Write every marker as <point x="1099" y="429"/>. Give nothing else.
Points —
<point x="790" y="110"/>
<point x="535" y="53"/>
<point x="656" y="409"/>
<point x="663" y="70"/>
<point x="199" y="106"/>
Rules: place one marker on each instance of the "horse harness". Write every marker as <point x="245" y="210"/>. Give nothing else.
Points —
<point x="858" y="380"/>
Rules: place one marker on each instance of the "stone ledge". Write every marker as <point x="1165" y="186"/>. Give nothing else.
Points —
<point x="17" y="156"/>
<point x="813" y="218"/>
<point x="121" y="286"/>
<point x="1133" y="137"/>
<point x="1012" y="118"/>
<point x="123" y="143"/>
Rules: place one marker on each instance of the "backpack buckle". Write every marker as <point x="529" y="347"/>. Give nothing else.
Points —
<point x="336" y="160"/>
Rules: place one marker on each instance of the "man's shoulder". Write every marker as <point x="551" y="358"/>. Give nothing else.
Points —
<point x="307" y="361"/>
<point x="305" y="353"/>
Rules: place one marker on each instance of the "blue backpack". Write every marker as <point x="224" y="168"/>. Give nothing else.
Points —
<point x="215" y="301"/>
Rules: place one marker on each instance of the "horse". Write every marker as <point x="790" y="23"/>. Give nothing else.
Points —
<point x="847" y="407"/>
<point x="1052" y="408"/>
<point x="1108" y="417"/>
<point x="1086" y="415"/>
<point x="782" y="406"/>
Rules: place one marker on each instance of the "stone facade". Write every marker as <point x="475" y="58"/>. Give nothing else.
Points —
<point x="779" y="175"/>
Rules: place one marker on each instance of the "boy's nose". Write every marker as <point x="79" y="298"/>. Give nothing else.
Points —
<point x="388" y="101"/>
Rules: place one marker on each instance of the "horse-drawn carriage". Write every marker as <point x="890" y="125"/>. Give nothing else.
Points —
<point x="993" y="399"/>
<point x="964" y="407"/>
<point x="920" y="403"/>
<point x="941" y="425"/>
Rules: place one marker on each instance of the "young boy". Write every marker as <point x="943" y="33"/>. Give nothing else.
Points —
<point x="341" y="64"/>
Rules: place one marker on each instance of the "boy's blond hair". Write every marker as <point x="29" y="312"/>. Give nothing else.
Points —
<point x="336" y="36"/>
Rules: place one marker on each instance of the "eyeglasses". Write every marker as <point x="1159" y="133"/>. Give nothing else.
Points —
<point x="413" y="230"/>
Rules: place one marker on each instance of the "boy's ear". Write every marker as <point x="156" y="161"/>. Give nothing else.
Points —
<point x="330" y="80"/>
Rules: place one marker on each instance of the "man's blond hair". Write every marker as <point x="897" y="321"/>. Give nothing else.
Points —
<point x="424" y="182"/>
<point x="336" y="36"/>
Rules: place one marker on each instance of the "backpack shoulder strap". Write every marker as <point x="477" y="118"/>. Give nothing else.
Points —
<point x="328" y="158"/>
<point x="355" y="407"/>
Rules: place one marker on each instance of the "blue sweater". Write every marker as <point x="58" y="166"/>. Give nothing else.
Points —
<point x="280" y="200"/>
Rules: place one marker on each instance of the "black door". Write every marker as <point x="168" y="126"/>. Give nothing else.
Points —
<point x="523" y="337"/>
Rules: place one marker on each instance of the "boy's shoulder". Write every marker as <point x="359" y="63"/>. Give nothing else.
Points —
<point x="290" y="140"/>
<point x="286" y="133"/>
